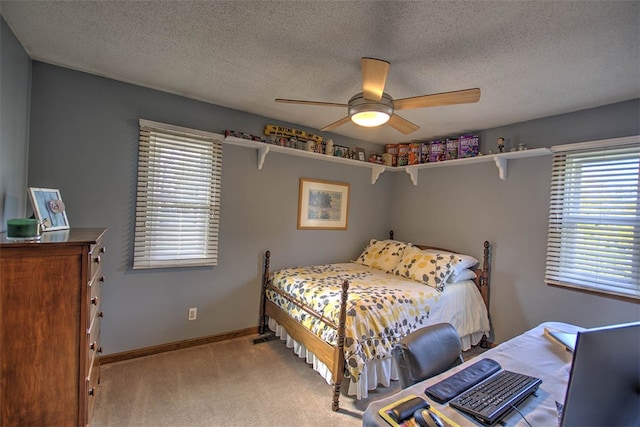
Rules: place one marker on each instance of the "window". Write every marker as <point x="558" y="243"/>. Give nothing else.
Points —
<point x="178" y="197"/>
<point x="594" y="217"/>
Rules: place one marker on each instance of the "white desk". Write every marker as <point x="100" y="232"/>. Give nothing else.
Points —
<point x="530" y="353"/>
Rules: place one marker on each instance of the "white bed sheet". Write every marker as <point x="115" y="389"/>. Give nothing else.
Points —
<point x="460" y="304"/>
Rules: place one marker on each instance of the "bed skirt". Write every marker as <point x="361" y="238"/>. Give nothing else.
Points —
<point x="376" y="372"/>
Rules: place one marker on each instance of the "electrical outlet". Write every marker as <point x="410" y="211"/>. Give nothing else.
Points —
<point x="193" y="313"/>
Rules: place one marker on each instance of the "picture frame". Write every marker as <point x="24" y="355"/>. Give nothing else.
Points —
<point x="341" y="151"/>
<point x="323" y="205"/>
<point x="48" y="208"/>
<point x="359" y="154"/>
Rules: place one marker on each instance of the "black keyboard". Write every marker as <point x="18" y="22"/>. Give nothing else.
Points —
<point x="493" y="398"/>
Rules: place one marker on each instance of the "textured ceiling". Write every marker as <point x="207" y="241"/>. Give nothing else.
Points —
<point x="531" y="59"/>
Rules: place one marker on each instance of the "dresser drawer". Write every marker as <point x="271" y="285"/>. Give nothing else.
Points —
<point x="95" y="259"/>
<point x="92" y="381"/>
<point x="93" y="341"/>
<point x="95" y="297"/>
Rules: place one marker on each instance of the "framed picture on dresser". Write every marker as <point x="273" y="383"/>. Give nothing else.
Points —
<point x="48" y="208"/>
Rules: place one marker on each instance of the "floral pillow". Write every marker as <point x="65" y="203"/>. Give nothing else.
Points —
<point x="430" y="268"/>
<point x="464" y="261"/>
<point x="382" y="254"/>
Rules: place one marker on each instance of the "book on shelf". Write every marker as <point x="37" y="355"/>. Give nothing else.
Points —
<point x="566" y="340"/>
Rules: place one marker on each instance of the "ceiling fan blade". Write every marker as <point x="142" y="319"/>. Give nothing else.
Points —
<point x="337" y="124"/>
<point x="466" y="96"/>
<point x="402" y="125"/>
<point x="374" y="77"/>
<point x="320" y="103"/>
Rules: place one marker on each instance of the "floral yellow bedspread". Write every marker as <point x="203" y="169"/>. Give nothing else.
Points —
<point x="381" y="308"/>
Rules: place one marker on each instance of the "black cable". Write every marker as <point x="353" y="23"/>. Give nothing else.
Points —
<point x="523" y="417"/>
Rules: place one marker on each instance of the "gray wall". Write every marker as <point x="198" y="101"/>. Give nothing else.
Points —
<point x="84" y="138"/>
<point x="15" y="86"/>
<point x="460" y="207"/>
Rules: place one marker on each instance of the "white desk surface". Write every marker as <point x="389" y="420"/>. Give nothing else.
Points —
<point x="530" y="353"/>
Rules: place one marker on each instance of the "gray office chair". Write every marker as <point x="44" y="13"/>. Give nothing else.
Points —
<point x="427" y="352"/>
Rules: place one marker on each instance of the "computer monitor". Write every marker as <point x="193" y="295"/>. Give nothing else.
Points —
<point x="604" y="385"/>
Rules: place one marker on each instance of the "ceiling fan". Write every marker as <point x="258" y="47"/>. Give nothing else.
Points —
<point x="374" y="107"/>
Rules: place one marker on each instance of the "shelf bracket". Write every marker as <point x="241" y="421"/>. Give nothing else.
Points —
<point x="262" y="154"/>
<point x="376" y="171"/>
<point x="501" y="163"/>
<point x="413" y="173"/>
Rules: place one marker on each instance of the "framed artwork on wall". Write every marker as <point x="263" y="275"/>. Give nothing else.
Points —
<point x="49" y="208"/>
<point x="323" y="205"/>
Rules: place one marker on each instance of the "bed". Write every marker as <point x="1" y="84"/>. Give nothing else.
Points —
<point x="344" y="318"/>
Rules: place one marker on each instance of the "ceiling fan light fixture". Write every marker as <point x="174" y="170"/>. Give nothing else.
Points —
<point x="373" y="107"/>
<point x="370" y="119"/>
<point x="368" y="113"/>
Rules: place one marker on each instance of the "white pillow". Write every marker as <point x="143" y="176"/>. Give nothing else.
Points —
<point x="465" y="274"/>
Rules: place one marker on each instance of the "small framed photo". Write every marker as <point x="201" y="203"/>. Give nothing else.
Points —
<point x="341" y="151"/>
<point x="323" y="205"/>
<point x="359" y="154"/>
<point x="49" y="208"/>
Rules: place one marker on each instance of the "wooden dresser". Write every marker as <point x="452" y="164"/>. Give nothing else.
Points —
<point x="50" y="327"/>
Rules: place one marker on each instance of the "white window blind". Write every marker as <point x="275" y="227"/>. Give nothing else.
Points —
<point x="594" y="217"/>
<point x="178" y="197"/>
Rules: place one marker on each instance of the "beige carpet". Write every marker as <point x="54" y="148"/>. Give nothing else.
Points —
<point x="227" y="383"/>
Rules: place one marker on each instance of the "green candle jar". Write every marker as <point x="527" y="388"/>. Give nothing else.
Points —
<point x="23" y="228"/>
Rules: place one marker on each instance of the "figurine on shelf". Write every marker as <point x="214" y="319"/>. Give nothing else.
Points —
<point x="328" y="149"/>
<point x="501" y="145"/>
<point x="311" y="145"/>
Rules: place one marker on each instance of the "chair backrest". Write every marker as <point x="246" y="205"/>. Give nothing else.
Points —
<point x="427" y="352"/>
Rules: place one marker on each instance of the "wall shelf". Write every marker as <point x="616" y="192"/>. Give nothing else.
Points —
<point x="264" y="149"/>
<point x="500" y="159"/>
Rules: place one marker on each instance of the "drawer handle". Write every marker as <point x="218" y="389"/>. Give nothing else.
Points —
<point x="103" y="250"/>
<point x="102" y="279"/>
<point x="94" y="300"/>
<point x="100" y="350"/>
<point x="93" y="345"/>
<point x="92" y="391"/>
<point x="97" y="259"/>
<point x="101" y="314"/>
